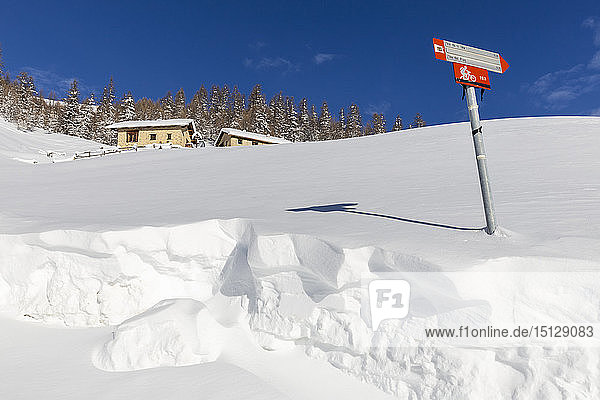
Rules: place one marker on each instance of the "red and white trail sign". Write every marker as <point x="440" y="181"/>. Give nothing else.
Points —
<point x="467" y="55"/>
<point x="471" y="76"/>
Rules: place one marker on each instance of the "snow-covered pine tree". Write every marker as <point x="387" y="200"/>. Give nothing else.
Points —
<point x="314" y="124"/>
<point x="54" y="110"/>
<point x="13" y="107"/>
<point x="355" y="127"/>
<point x="7" y="96"/>
<point x="26" y="93"/>
<point x="293" y="132"/>
<point x="277" y="123"/>
<point x="179" y="107"/>
<point x="341" y="125"/>
<point x="304" y="121"/>
<point x="237" y="109"/>
<point x="325" y="123"/>
<point x="107" y="114"/>
<point x="418" y="122"/>
<point x="193" y="109"/>
<point x="41" y="111"/>
<point x="397" y="124"/>
<point x="167" y="106"/>
<point x="88" y="118"/>
<point x="199" y="112"/>
<point x="257" y="109"/>
<point x="214" y="111"/>
<point x="378" y="123"/>
<point x="226" y="105"/>
<point x="3" y="97"/>
<point x="127" y="108"/>
<point x="71" y="122"/>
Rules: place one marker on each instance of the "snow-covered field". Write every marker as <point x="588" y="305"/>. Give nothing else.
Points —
<point x="244" y="265"/>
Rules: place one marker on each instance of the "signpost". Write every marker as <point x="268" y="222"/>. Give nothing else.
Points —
<point x="471" y="66"/>
<point x="471" y="76"/>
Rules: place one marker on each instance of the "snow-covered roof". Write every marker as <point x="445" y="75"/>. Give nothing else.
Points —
<point x="251" y="136"/>
<point x="153" y="123"/>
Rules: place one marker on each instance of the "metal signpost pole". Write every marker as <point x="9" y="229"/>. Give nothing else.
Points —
<point x="484" y="182"/>
<point x="464" y="56"/>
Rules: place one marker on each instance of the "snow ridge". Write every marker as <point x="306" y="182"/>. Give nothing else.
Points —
<point x="293" y="290"/>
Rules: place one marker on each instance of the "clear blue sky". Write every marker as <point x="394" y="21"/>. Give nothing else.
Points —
<point x="377" y="54"/>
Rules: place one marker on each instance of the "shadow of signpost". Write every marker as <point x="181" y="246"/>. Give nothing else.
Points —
<point x="351" y="208"/>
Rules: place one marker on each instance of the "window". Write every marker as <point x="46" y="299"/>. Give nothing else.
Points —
<point x="132" y="136"/>
<point x="254" y="143"/>
<point x="239" y="141"/>
<point x="153" y="136"/>
<point x="168" y="136"/>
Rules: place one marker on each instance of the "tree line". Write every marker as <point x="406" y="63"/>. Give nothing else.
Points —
<point x="281" y="116"/>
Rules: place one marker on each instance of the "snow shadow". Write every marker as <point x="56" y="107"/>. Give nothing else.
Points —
<point x="351" y="208"/>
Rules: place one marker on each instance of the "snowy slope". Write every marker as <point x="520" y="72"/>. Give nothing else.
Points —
<point x="271" y="244"/>
<point x="40" y="146"/>
<point x="539" y="169"/>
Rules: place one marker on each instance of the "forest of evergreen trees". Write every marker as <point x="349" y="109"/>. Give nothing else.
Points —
<point x="221" y="107"/>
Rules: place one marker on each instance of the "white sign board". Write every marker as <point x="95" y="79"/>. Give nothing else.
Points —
<point x="462" y="54"/>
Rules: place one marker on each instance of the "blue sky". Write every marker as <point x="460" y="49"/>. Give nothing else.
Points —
<point x="377" y="54"/>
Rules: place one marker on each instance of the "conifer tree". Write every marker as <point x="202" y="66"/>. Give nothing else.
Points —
<point x="215" y="99"/>
<point x="71" y="123"/>
<point x="24" y="111"/>
<point x="397" y="124"/>
<point x="325" y="123"/>
<point x="225" y="107"/>
<point x="304" y="121"/>
<point x="354" y="122"/>
<point x="4" y="93"/>
<point x="237" y="110"/>
<point x="199" y="112"/>
<point x="214" y="111"/>
<point x="341" y="126"/>
<point x="127" y="112"/>
<point x="167" y="106"/>
<point x="257" y="109"/>
<point x="41" y="114"/>
<point x="418" y="122"/>
<point x="107" y="114"/>
<point x="179" y="106"/>
<point x="277" y="116"/>
<point x="378" y="123"/>
<point x="55" y="110"/>
<point x="88" y="118"/>
<point x="314" y="124"/>
<point x="293" y="133"/>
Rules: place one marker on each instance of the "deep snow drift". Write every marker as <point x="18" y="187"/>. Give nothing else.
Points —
<point x="146" y="243"/>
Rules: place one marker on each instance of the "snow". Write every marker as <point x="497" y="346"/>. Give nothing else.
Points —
<point x="170" y="333"/>
<point x="253" y="272"/>
<point x="40" y="362"/>
<point x="40" y="146"/>
<point x="151" y="123"/>
<point x="251" y="136"/>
